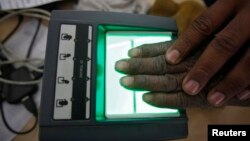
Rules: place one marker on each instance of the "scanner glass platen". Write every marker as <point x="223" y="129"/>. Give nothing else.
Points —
<point x="120" y="102"/>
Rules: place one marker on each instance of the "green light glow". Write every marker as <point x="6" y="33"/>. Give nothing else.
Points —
<point x="122" y="103"/>
<point x="100" y="79"/>
<point x="112" y="100"/>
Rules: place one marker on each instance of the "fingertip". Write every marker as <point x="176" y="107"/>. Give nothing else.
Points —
<point x="135" y="52"/>
<point x="121" y="65"/>
<point x="216" y="98"/>
<point x="161" y="100"/>
<point x="191" y="87"/>
<point x="127" y="81"/>
<point x="148" y="98"/>
<point x="173" y="56"/>
<point x="244" y="95"/>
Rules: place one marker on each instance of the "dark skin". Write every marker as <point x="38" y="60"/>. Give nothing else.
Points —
<point x="225" y="27"/>
<point x="227" y="21"/>
<point x="149" y="70"/>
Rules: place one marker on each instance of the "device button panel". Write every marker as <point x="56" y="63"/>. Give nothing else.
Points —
<point x="72" y="89"/>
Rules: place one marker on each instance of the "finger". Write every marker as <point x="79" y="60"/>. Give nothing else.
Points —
<point x="149" y="50"/>
<point x="218" y="52"/>
<point x="235" y="82"/>
<point x="182" y="100"/>
<point x="154" y="65"/>
<point x="245" y="94"/>
<point x="163" y="83"/>
<point x="201" y="28"/>
<point x="175" y="100"/>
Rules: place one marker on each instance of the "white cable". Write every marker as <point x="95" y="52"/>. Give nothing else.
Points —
<point x="36" y="16"/>
<point x="21" y="61"/>
<point x="8" y="54"/>
<point x="25" y="63"/>
<point x="33" y="68"/>
<point x="33" y="12"/>
<point x="3" y="80"/>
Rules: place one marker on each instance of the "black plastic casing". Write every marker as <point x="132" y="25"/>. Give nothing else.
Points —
<point x="93" y="130"/>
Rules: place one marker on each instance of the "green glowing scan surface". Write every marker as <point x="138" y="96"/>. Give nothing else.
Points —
<point x="120" y="102"/>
